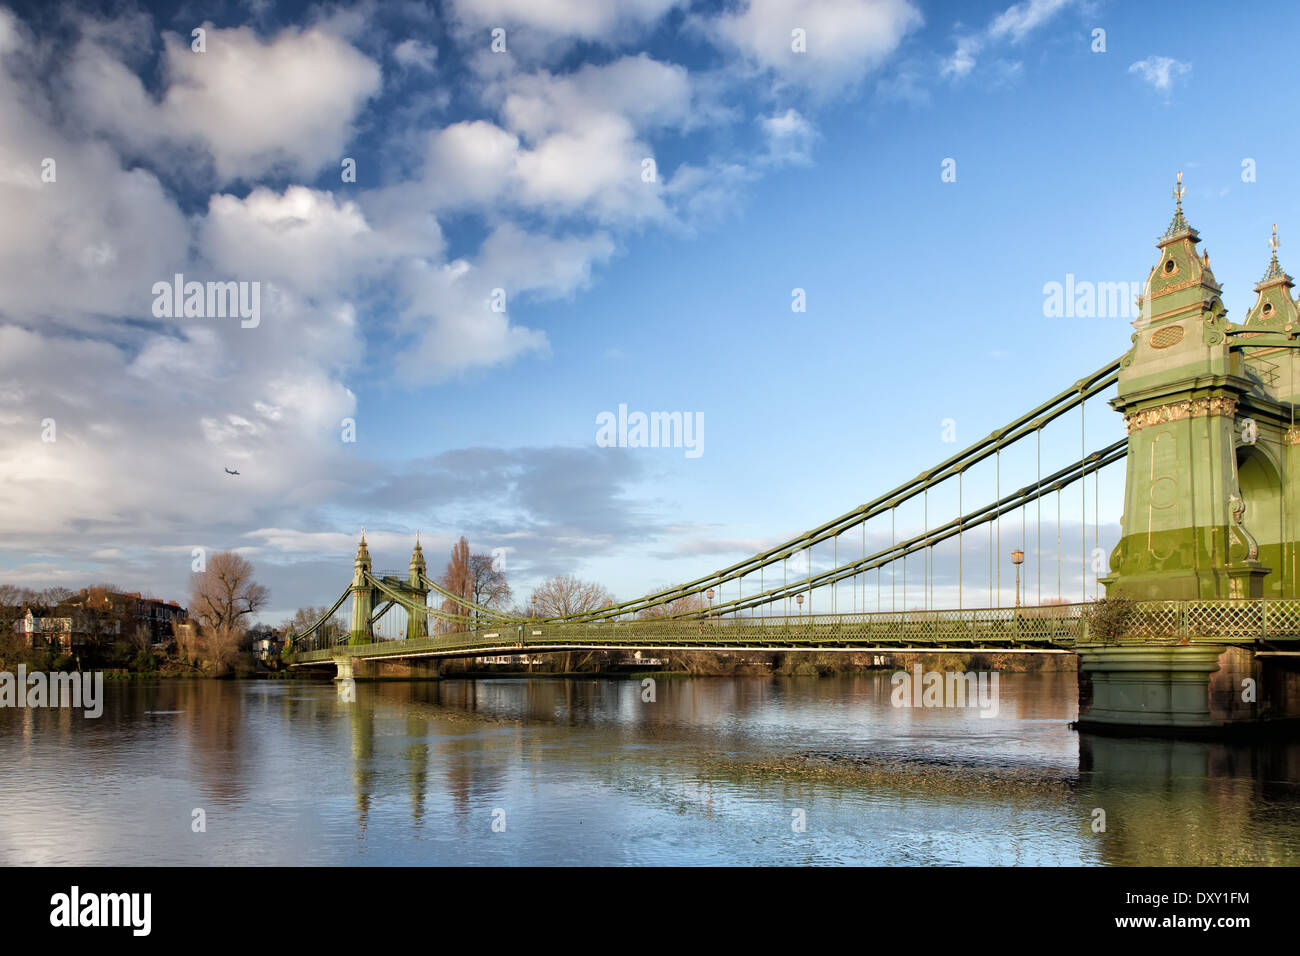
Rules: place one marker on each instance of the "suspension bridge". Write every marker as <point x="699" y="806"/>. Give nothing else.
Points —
<point x="1208" y="638"/>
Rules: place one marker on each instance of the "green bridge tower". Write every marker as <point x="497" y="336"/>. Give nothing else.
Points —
<point x="1209" y="511"/>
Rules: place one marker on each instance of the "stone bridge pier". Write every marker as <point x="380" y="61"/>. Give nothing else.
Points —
<point x="359" y="668"/>
<point x="1186" y="689"/>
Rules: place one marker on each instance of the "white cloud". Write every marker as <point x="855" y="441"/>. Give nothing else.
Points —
<point x="573" y="144"/>
<point x="470" y="164"/>
<point x="450" y="314"/>
<point x="413" y="54"/>
<point x="1020" y="19"/>
<point x="252" y="105"/>
<point x="789" y="138"/>
<point x="1160" y="71"/>
<point x="302" y="239"/>
<point x="1013" y="24"/>
<point x="551" y="168"/>
<point x="91" y="242"/>
<point x="532" y="26"/>
<point x="846" y="39"/>
<point x="962" y="60"/>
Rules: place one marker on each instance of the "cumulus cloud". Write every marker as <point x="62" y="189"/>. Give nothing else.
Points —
<point x="213" y="165"/>
<point x="533" y="27"/>
<point x="304" y="239"/>
<point x="251" y="105"/>
<point x="456" y="318"/>
<point x="845" y="39"/>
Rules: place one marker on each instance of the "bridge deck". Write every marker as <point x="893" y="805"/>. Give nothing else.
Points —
<point x="1057" y="627"/>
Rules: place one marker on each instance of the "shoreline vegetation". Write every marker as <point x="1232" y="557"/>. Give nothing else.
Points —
<point x="682" y="665"/>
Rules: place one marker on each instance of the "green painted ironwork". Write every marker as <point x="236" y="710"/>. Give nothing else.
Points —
<point x="1053" y="627"/>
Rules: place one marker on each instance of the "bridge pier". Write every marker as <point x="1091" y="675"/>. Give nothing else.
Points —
<point x="359" y="668"/>
<point x="1186" y="688"/>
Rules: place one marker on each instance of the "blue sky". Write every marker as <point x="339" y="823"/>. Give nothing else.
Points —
<point x="521" y="170"/>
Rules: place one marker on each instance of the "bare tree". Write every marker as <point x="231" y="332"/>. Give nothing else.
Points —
<point x="563" y="595"/>
<point x="690" y="604"/>
<point x="220" y="599"/>
<point x="488" y="586"/>
<point x="327" y="634"/>
<point x="692" y="662"/>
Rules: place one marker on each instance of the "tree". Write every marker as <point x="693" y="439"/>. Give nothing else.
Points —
<point x="221" y="597"/>
<point x="327" y="635"/>
<point x="563" y="595"/>
<point x="488" y="585"/>
<point x="54" y="596"/>
<point x="458" y="579"/>
<point x="690" y="604"/>
<point x="692" y="662"/>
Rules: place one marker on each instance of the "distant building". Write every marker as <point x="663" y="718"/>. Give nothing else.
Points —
<point x="98" y="615"/>
<point x="134" y="612"/>
<point x="511" y="659"/>
<point x="266" y="645"/>
<point x="59" y="631"/>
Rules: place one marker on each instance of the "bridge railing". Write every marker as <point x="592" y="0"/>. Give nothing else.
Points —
<point x="1061" y="626"/>
<point x="1000" y="627"/>
<point x="1208" y="621"/>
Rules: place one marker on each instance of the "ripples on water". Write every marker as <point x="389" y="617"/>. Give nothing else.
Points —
<point x="583" y="772"/>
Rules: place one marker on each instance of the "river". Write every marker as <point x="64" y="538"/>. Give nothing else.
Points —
<point x="737" y="771"/>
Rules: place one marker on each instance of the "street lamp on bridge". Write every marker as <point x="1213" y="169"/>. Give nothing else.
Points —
<point x="1017" y="558"/>
<point x="798" y="599"/>
<point x="709" y="594"/>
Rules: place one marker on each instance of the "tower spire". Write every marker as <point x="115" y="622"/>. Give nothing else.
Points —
<point x="363" y="553"/>
<point x="1274" y="308"/>
<point x="1178" y="225"/>
<point x="417" y="558"/>
<point x="1274" y="269"/>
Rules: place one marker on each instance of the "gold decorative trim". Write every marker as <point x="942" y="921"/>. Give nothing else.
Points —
<point x="1292" y="436"/>
<point x="1177" y="287"/>
<point x="1177" y="411"/>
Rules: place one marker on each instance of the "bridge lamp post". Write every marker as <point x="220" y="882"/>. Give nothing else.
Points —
<point x="534" y="605"/>
<point x="798" y="599"/>
<point x="709" y="594"/>
<point x="1017" y="558"/>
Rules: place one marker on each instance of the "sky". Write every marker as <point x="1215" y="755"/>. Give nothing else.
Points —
<point x="822" y="231"/>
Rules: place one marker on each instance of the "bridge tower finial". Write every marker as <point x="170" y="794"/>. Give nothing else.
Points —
<point x="417" y="558"/>
<point x="1179" y="225"/>
<point x="363" y="553"/>
<point x="1274" y="308"/>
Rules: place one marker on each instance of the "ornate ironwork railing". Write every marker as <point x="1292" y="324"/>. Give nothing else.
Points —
<point x="1056" y="626"/>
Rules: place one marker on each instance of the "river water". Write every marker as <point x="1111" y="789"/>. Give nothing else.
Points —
<point x="554" y="771"/>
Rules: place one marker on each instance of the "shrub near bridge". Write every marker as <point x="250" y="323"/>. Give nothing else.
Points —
<point x="1109" y="618"/>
